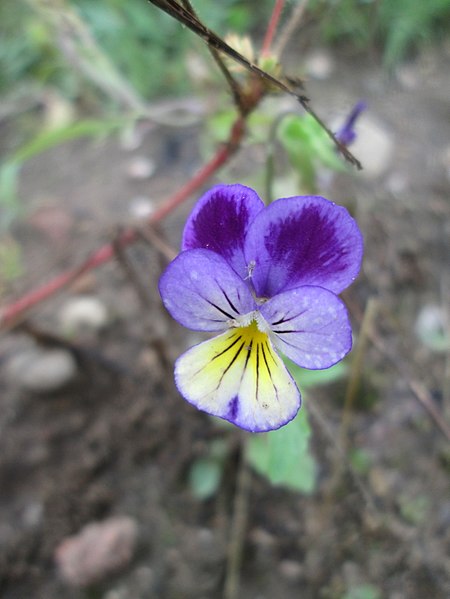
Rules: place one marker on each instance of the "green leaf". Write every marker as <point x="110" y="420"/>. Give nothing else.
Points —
<point x="363" y="591"/>
<point x="414" y="509"/>
<point x="9" y="201"/>
<point x="206" y="473"/>
<point x="283" y="456"/>
<point x="11" y="261"/>
<point x="361" y="460"/>
<point x="48" y="139"/>
<point x="204" y="477"/>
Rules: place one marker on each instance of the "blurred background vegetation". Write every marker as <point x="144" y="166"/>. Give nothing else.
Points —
<point x="103" y="61"/>
<point x="40" y="40"/>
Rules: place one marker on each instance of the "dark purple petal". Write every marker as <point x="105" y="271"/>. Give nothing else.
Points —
<point x="303" y="241"/>
<point x="310" y="326"/>
<point x="347" y="133"/>
<point x="219" y="222"/>
<point x="202" y="292"/>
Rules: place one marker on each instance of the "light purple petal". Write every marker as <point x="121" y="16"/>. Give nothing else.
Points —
<point x="310" y="326"/>
<point x="219" y="222"/>
<point x="303" y="241"/>
<point x="202" y="292"/>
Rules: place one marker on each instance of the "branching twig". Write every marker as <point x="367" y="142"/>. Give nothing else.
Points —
<point x="184" y="16"/>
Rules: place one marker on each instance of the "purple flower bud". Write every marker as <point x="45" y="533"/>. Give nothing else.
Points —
<point x="347" y="134"/>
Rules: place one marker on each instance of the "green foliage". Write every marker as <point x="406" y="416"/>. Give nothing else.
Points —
<point x="414" y="509"/>
<point x="308" y="148"/>
<point x="361" y="460"/>
<point x="206" y="472"/>
<point x="405" y="24"/>
<point x="363" y="591"/>
<point x="398" y="27"/>
<point x="27" y="49"/>
<point x="11" y="263"/>
<point x="145" y="45"/>
<point x="283" y="456"/>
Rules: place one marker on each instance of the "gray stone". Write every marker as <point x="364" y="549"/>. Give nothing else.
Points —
<point x="140" y="168"/>
<point x="319" y="65"/>
<point x="141" y="207"/>
<point x="83" y="313"/>
<point x="430" y="327"/>
<point x="374" y="147"/>
<point x="41" y="370"/>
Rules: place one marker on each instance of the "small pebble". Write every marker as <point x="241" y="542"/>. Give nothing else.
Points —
<point x="141" y="207"/>
<point x="319" y="65"/>
<point x="430" y="327"/>
<point x="140" y="168"/>
<point x="291" y="570"/>
<point x="41" y="370"/>
<point x="83" y="313"/>
<point x="98" y="550"/>
<point x="374" y="147"/>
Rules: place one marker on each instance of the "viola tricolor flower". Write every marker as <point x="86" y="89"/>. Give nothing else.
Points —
<point x="266" y="280"/>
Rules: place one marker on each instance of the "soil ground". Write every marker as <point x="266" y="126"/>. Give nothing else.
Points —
<point x="120" y="440"/>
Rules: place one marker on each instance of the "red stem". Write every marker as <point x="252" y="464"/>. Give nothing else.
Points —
<point x="12" y="313"/>
<point x="272" y="27"/>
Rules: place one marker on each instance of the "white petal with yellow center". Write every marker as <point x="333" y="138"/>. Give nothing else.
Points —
<point x="239" y="377"/>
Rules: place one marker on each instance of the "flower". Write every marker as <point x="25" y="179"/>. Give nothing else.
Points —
<point x="266" y="279"/>
<point x="347" y="134"/>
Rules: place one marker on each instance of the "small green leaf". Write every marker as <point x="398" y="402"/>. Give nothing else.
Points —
<point x="283" y="456"/>
<point x="204" y="477"/>
<point x="9" y="201"/>
<point x="11" y="261"/>
<point x="361" y="460"/>
<point x="414" y="509"/>
<point x="363" y="591"/>
<point x="54" y="137"/>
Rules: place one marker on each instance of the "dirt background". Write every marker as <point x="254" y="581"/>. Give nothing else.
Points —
<point x="120" y="441"/>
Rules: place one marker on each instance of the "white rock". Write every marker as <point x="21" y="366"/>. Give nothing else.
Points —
<point x="41" y="370"/>
<point x="98" y="550"/>
<point x="83" y="312"/>
<point x="140" y="167"/>
<point x="374" y="146"/>
<point x="430" y="328"/>
<point x="141" y="207"/>
<point x="319" y="65"/>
